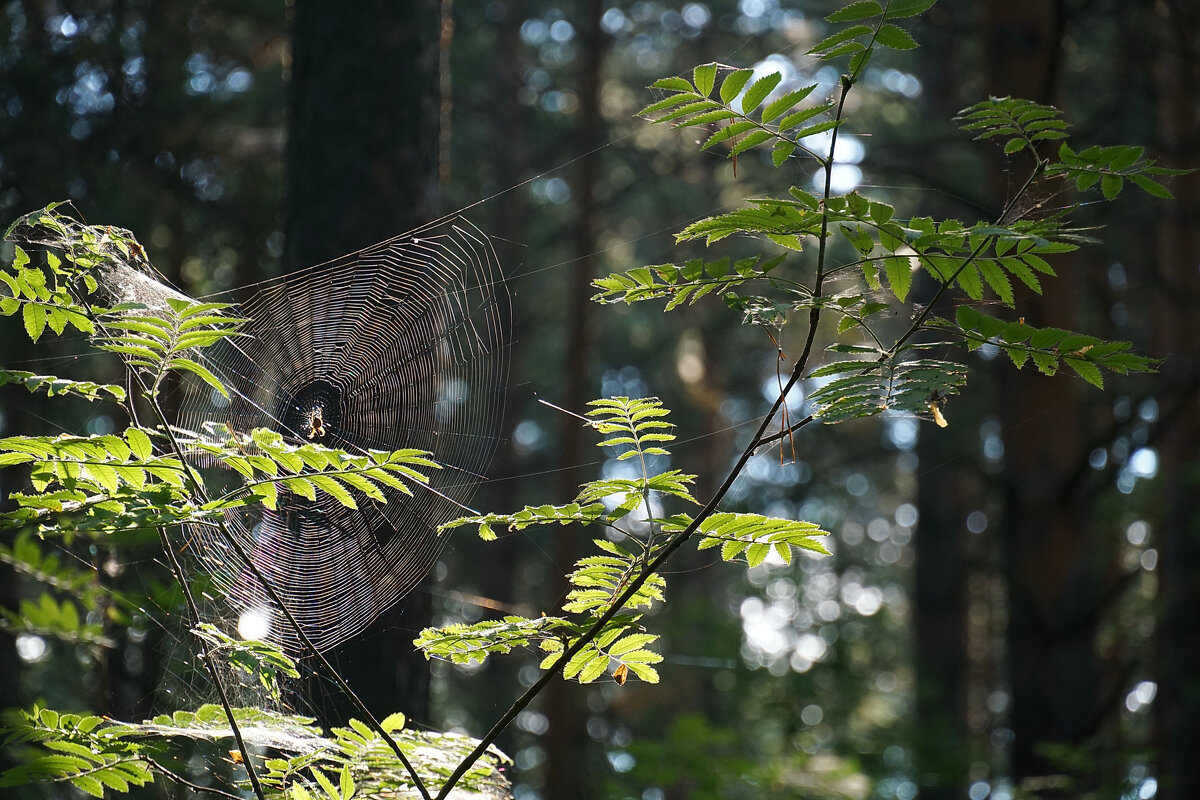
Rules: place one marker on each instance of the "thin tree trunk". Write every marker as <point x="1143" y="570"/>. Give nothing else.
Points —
<point x="1177" y="706"/>
<point x="939" y="596"/>
<point x="1053" y="566"/>
<point x="567" y="746"/>
<point x="362" y="162"/>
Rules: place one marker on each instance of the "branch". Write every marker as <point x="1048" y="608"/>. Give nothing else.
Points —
<point x="678" y="539"/>
<point x="269" y="588"/>
<point x="206" y="657"/>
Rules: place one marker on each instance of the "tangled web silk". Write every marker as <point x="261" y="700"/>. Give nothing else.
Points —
<point x="400" y="345"/>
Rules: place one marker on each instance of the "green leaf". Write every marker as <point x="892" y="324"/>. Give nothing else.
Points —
<point x="1014" y="146"/>
<point x="1150" y="187"/>
<point x="759" y="90"/>
<point x="733" y="84"/>
<point x="674" y="84"/>
<point x="899" y="275"/>
<point x="908" y="8"/>
<point x="777" y="107"/>
<point x="856" y="11"/>
<point x="750" y="140"/>
<point x="825" y="46"/>
<point x="34" y="316"/>
<point x="894" y="37"/>
<point x="782" y="151"/>
<point x="999" y="282"/>
<point x="139" y="443"/>
<point x="968" y="279"/>
<point x="1086" y="370"/>
<point x="704" y="76"/>
<point x="1111" y="185"/>
<point x="196" y="369"/>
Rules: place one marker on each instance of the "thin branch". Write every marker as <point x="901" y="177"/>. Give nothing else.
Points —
<point x="676" y="541"/>
<point x="786" y="432"/>
<point x="195" y="787"/>
<point x="275" y="598"/>
<point x="180" y="578"/>
<point x="206" y="657"/>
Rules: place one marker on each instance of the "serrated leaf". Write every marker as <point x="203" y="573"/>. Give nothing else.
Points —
<point x="795" y="118"/>
<point x="863" y="9"/>
<point x="1111" y="185"/>
<point x="895" y="37"/>
<point x="759" y="90"/>
<point x="824" y="47"/>
<point x="139" y="443"/>
<point x="196" y="369"/>
<point x="749" y="141"/>
<point x="1151" y="187"/>
<point x="674" y="84"/>
<point x="704" y="76"/>
<point x="733" y="84"/>
<point x="34" y="317"/>
<point x="782" y="151"/>
<point x="1086" y="370"/>
<point x="899" y="275"/>
<point x="777" y="107"/>
<point x="908" y="8"/>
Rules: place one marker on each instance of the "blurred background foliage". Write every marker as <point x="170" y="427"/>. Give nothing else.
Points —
<point x="1010" y="608"/>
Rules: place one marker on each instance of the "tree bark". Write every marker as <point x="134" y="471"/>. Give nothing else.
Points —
<point x="568" y="744"/>
<point x="1053" y="567"/>
<point x="362" y="166"/>
<point x="1177" y="707"/>
<point x="362" y="152"/>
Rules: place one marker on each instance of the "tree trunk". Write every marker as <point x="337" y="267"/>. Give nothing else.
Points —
<point x="568" y="744"/>
<point x="1054" y="571"/>
<point x="362" y="163"/>
<point x="1178" y="702"/>
<point x="939" y="594"/>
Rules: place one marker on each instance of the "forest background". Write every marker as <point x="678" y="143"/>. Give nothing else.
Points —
<point x="1009" y="606"/>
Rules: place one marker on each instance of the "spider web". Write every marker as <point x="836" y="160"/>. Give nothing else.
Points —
<point x="400" y="345"/>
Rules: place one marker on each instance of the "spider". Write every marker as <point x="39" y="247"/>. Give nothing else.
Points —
<point x="316" y="423"/>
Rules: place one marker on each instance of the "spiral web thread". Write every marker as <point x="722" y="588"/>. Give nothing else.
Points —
<point x="400" y="345"/>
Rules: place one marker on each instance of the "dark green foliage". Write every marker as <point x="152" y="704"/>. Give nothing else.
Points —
<point x="884" y="354"/>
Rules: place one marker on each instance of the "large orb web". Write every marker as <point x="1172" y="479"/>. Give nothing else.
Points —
<point x="401" y="345"/>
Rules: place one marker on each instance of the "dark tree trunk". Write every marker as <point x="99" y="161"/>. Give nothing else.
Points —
<point x="1178" y="702"/>
<point x="1053" y="567"/>
<point x="939" y="595"/>
<point x="566" y="768"/>
<point x="362" y="152"/>
<point x="362" y="162"/>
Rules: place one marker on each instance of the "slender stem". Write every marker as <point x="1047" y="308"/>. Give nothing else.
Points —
<point x="676" y="541"/>
<point x="269" y="588"/>
<point x="946" y="284"/>
<point x="206" y="657"/>
<point x="195" y="787"/>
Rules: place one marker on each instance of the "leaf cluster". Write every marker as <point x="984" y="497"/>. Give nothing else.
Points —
<point x="611" y="589"/>
<point x="54" y="385"/>
<point x="263" y="661"/>
<point x="96" y="754"/>
<point x="162" y="339"/>
<point x="83" y="750"/>
<point x="268" y="462"/>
